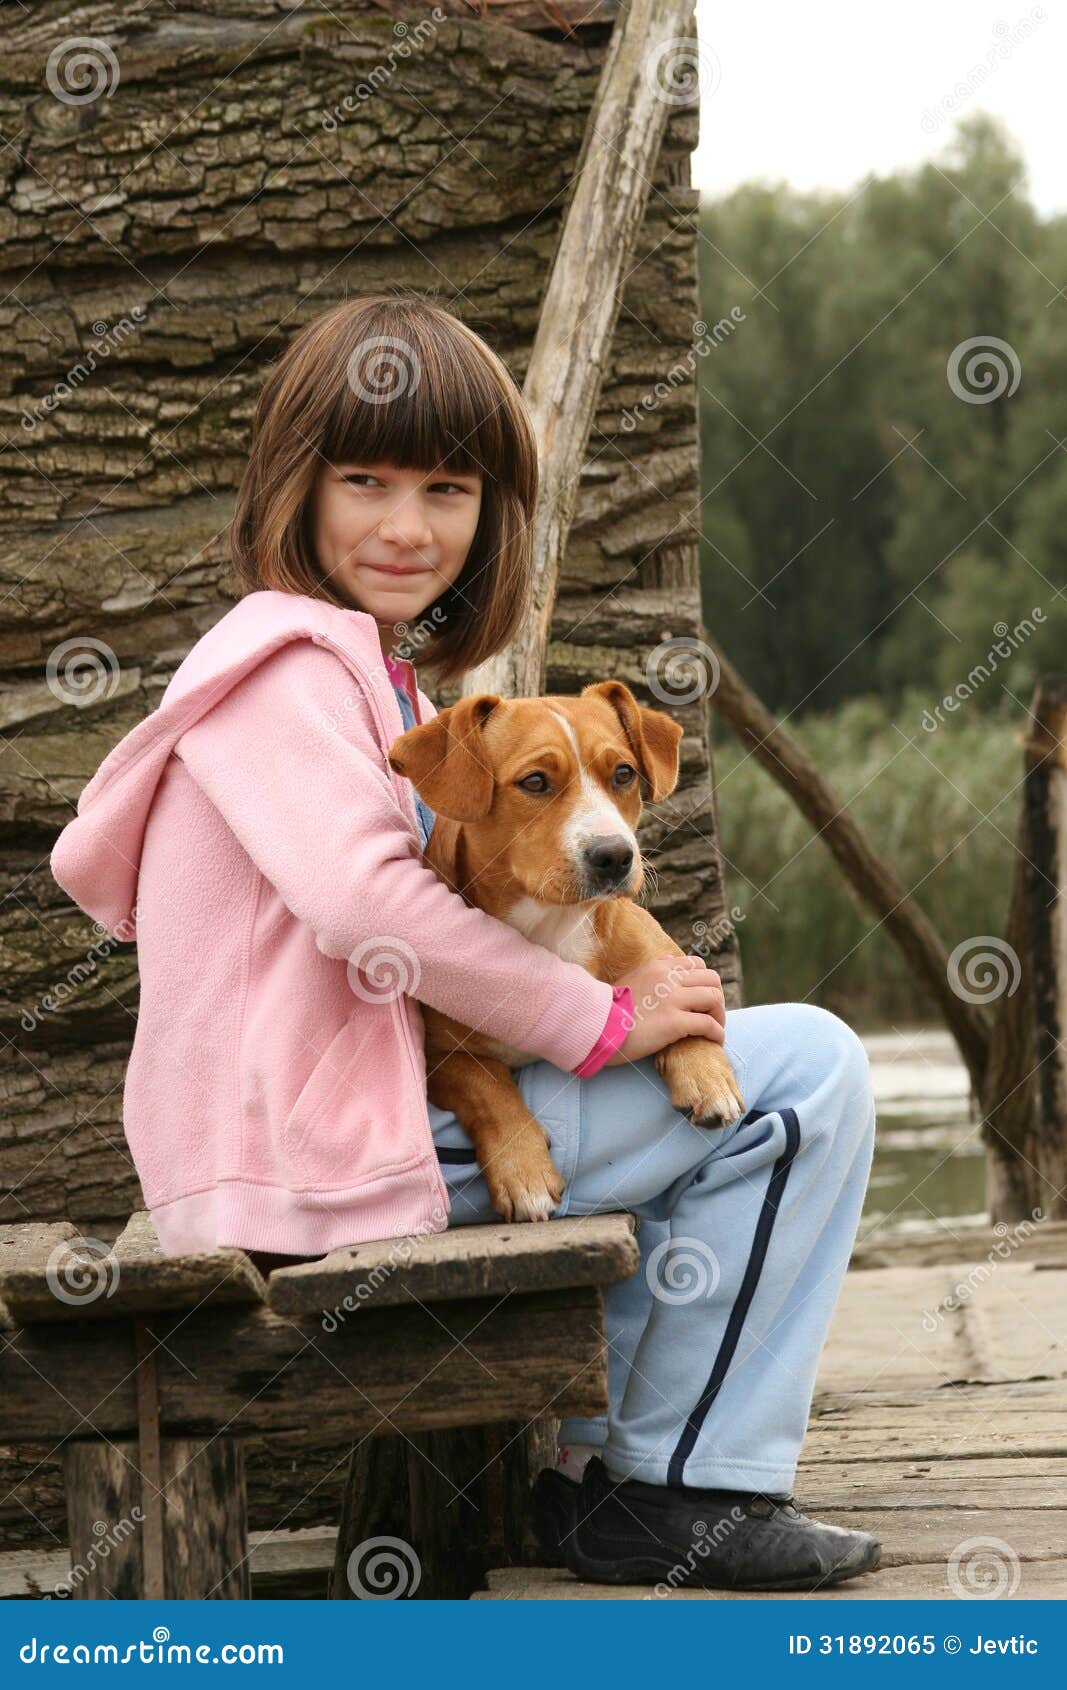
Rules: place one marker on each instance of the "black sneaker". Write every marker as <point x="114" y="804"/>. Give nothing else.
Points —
<point x="629" y="1532"/>
<point x="554" y="1511"/>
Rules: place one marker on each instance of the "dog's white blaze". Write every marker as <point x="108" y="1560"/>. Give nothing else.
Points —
<point x="595" y="816"/>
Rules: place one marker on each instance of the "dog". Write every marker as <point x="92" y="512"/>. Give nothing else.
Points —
<point x="537" y="802"/>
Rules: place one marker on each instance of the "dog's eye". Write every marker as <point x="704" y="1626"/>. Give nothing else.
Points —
<point x="625" y="775"/>
<point x="536" y="776"/>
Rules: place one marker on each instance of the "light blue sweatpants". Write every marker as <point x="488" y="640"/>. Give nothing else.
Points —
<point x="745" y="1235"/>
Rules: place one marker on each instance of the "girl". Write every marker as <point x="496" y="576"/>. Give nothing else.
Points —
<point x="253" y="836"/>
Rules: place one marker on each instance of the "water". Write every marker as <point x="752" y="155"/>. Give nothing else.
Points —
<point x="929" y="1160"/>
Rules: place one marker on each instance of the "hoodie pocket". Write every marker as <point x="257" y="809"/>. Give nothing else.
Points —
<point x="353" y="1119"/>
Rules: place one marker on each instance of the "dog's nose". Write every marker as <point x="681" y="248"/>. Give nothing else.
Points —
<point x="611" y="859"/>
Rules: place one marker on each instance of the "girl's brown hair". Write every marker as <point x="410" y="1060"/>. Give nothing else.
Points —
<point x="384" y="379"/>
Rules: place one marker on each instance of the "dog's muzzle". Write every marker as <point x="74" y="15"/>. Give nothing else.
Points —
<point x="607" y="866"/>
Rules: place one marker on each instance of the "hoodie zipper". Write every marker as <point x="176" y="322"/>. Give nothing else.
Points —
<point x="417" y="1067"/>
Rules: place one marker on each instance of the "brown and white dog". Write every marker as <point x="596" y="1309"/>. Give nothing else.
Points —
<point x="537" y="802"/>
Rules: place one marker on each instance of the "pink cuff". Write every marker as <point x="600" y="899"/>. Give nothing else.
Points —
<point x="620" y="1020"/>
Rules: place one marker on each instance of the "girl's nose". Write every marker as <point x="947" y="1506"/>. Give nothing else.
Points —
<point x="407" y="526"/>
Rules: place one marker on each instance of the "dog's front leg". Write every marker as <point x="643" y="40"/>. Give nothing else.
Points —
<point x="511" y="1144"/>
<point x="701" y="1081"/>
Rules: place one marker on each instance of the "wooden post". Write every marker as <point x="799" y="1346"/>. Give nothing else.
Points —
<point x="1025" y="1100"/>
<point x="581" y="303"/>
<point x="203" y="1514"/>
<point x="428" y="1515"/>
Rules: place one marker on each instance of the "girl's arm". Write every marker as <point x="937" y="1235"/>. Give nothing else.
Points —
<point x="289" y="759"/>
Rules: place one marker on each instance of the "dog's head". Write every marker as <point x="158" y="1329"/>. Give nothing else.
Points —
<point x="548" y="788"/>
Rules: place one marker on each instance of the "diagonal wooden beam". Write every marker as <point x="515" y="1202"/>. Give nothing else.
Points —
<point x="650" y="59"/>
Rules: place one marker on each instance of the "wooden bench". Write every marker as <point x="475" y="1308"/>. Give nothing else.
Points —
<point x="439" y="1354"/>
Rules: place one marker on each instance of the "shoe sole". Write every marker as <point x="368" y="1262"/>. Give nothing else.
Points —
<point x="646" y="1571"/>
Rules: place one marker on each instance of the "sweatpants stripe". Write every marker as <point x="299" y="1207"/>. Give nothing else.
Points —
<point x="753" y="1267"/>
<point x="459" y="1154"/>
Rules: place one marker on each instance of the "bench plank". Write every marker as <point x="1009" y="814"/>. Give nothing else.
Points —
<point x="463" y="1363"/>
<point x="40" y="1281"/>
<point x="465" y="1261"/>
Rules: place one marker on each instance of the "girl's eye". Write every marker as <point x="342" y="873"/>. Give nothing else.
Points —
<point x="440" y="486"/>
<point x="360" y="475"/>
<point x="537" y="776"/>
<point x="625" y="775"/>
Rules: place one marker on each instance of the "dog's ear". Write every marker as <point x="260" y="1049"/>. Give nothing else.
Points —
<point x="446" y="759"/>
<point x="653" y="736"/>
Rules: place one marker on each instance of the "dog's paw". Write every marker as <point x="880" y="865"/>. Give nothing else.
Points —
<point x="702" y="1086"/>
<point x="524" y="1183"/>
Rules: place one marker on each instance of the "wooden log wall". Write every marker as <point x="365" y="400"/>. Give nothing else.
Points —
<point x="246" y="165"/>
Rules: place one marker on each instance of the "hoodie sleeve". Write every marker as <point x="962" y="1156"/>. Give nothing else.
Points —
<point x="289" y="759"/>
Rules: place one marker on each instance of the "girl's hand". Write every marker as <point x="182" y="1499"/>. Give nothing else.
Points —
<point x="674" y="997"/>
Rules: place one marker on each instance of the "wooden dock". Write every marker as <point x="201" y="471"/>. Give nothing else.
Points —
<point x="939" y="1423"/>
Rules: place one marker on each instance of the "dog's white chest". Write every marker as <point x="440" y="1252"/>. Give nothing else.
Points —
<point x="566" y="929"/>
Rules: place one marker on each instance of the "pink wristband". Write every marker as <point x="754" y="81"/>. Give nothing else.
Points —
<point x="620" y="1020"/>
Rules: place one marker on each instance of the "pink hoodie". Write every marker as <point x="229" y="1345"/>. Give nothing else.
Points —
<point x="252" y="837"/>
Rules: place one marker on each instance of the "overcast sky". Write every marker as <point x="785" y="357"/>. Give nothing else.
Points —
<point x="818" y="94"/>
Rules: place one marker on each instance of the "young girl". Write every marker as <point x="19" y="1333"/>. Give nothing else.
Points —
<point x="252" y="834"/>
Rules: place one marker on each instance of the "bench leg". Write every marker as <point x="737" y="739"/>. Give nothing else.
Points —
<point x="184" y="1537"/>
<point x="427" y="1515"/>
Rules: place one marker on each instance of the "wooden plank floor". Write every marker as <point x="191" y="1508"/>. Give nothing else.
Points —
<point x="939" y="1423"/>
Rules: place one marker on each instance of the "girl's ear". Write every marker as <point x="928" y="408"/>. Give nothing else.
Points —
<point x="652" y="734"/>
<point x="447" y="761"/>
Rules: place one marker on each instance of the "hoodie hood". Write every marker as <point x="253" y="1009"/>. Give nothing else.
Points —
<point x="96" y="859"/>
